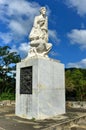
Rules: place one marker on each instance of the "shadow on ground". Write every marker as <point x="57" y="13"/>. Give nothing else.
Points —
<point x="8" y="120"/>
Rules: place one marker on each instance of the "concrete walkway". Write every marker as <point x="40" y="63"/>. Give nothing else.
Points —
<point x="8" y="120"/>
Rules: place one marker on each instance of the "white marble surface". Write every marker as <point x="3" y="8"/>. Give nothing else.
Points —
<point x="48" y="90"/>
<point x="38" y="36"/>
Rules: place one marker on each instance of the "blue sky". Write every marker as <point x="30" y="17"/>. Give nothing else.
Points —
<point x="66" y="23"/>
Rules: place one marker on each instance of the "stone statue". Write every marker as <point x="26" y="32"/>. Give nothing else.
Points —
<point x="39" y="35"/>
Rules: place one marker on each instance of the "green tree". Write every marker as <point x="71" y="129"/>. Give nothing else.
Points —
<point x="8" y="62"/>
<point x="78" y="79"/>
<point x="69" y="81"/>
<point x="70" y="86"/>
<point x="76" y="82"/>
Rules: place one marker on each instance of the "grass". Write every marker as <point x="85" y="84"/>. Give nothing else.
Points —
<point x="7" y="96"/>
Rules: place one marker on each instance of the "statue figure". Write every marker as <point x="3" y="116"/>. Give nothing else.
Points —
<point x="39" y="35"/>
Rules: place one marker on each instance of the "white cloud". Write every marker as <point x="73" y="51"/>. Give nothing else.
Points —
<point x="17" y="16"/>
<point x="78" y="5"/>
<point x="54" y="36"/>
<point x="22" y="7"/>
<point x="14" y="49"/>
<point x="6" y="37"/>
<point x="23" y="49"/>
<point x="18" y="8"/>
<point x="80" y="64"/>
<point x="17" y="27"/>
<point x="78" y="37"/>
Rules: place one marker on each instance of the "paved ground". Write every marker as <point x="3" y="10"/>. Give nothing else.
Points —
<point x="8" y="120"/>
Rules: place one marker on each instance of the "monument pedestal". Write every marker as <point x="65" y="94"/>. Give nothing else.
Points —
<point x="40" y="88"/>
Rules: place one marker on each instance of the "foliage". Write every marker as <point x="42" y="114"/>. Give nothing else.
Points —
<point x="7" y="96"/>
<point x="76" y="83"/>
<point x="75" y="78"/>
<point x="8" y="62"/>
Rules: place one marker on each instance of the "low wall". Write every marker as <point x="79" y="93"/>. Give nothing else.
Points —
<point x="77" y="104"/>
<point x="72" y="104"/>
<point x="7" y="103"/>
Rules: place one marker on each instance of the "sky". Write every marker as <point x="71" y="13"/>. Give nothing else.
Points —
<point x="66" y="25"/>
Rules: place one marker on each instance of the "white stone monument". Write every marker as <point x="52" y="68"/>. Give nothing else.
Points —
<point x="40" y="81"/>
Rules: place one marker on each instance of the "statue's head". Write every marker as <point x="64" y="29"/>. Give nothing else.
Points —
<point x="43" y="10"/>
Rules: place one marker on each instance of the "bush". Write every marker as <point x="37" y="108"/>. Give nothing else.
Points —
<point x="7" y="96"/>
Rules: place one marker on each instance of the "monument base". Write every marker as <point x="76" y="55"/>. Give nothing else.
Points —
<point x="40" y="88"/>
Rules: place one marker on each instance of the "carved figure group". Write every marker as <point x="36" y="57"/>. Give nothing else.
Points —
<point x="39" y="35"/>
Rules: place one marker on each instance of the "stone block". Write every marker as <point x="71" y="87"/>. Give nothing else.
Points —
<point x="48" y="89"/>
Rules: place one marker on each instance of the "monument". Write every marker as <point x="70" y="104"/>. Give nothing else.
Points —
<point x="40" y="80"/>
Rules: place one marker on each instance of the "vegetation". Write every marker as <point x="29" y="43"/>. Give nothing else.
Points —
<point x="75" y="78"/>
<point x="8" y="62"/>
<point x="75" y="84"/>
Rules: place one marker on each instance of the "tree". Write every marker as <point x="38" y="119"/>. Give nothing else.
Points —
<point x="8" y="62"/>
<point x="70" y="86"/>
<point x="78" y="78"/>
<point x="76" y="82"/>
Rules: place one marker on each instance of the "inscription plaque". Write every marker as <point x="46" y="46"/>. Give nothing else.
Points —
<point x="26" y="80"/>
